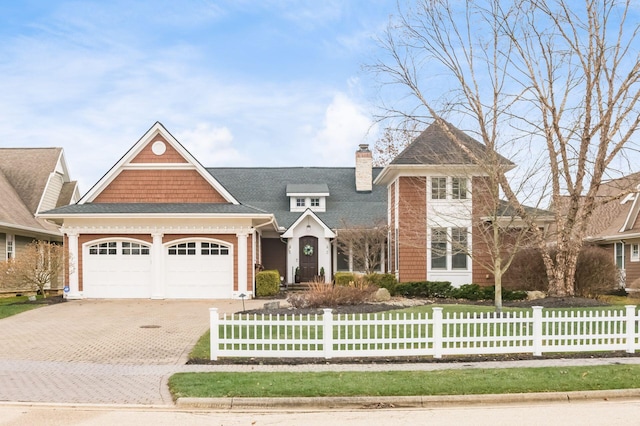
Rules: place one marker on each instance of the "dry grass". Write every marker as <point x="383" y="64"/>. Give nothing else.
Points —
<point x="322" y="295"/>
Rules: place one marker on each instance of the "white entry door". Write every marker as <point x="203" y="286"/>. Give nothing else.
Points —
<point x="199" y="270"/>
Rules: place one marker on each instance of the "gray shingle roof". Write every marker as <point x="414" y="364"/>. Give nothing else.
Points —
<point x="307" y="188"/>
<point x="435" y="146"/>
<point x="266" y="189"/>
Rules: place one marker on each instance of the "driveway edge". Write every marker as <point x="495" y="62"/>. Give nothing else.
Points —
<point x="374" y="402"/>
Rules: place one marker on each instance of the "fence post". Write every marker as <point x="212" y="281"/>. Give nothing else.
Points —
<point x="631" y="328"/>
<point x="327" y="333"/>
<point x="214" y="322"/>
<point x="437" y="332"/>
<point x="537" y="330"/>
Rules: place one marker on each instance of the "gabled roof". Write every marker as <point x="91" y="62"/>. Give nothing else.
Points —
<point x="308" y="213"/>
<point x="27" y="170"/>
<point x="24" y="176"/>
<point x="146" y="139"/>
<point x="266" y="189"/>
<point x="439" y="144"/>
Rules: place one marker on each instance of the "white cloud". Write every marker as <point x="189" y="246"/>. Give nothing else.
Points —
<point x="345" y="126"/>
<point x="211" y="146"/>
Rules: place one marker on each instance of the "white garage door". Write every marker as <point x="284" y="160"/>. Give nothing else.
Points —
<point x="117" y="269"/>
<point x="199" y="270"/>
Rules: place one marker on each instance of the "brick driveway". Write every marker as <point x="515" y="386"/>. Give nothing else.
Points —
<point x="101" y="351"/>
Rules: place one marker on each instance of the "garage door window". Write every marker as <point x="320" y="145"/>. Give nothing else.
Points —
<point x="213" y="249"/>
<point x="109" y="248"/>
<point x="125" y="248"/>
<point x="182" y="249"/>
<point x="134" y="249"/>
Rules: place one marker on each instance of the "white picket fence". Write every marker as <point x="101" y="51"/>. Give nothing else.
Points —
<point x="388" y="334"/>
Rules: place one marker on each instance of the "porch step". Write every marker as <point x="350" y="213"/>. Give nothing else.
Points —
<point x="297" y="287"/>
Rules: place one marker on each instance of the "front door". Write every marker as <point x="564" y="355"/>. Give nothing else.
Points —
<point x="308" y="258"/>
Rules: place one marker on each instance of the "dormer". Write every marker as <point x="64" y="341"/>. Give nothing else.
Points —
<point x="304" y="196"/>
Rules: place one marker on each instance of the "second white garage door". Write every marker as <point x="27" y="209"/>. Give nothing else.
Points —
<point x="199" y="270"/>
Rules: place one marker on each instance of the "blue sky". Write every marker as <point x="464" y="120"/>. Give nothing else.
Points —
<point x="238" y="82"/>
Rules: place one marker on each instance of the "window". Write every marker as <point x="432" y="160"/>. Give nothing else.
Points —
<point x="300" y="202"/>
<point x="619" y="254"/>
<point x="439" y="248"/>
<point x="342" y="261"/>
<point x="104" y="249"/>
<point x="213" y="249"/>
<point x="459" y="188"/>
<point x="10" y="247"/>
<point x="635" y="252"/>
<point x="459" y="248"/>
<point x="182" y="249"/>
<point x="439" y="188"/>
<point x="315" y="202"/>
<point x="134" y="249"/>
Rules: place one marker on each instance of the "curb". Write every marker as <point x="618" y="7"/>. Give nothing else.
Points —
<point x="373" y="402"/>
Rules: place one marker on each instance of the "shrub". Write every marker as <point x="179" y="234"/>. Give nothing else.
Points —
<point x="344" y="278"/>
<point x="477" y="292"/>
<point x="321" y="295"/>
<point x="596" y="273"/>
<point x="439" y="289"/>
<point x="267" y="283"/>
<point x="387" y="281"/>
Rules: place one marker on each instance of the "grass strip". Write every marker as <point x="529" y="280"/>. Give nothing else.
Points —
<point x="405" y="383"/>
<point x="14" y="305"/>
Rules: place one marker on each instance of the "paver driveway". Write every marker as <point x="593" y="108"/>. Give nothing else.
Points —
<point x="101" y="351"/>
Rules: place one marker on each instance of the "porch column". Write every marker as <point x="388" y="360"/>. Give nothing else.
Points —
<point x="74" y="268"/>
<point x="157" y="267"/>
<point x="242" y="265"/>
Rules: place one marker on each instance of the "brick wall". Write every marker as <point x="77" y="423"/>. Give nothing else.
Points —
<point x="159" y="186"/>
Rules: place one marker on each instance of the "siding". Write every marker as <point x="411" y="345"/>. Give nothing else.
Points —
<point x="147" y="155"/>
<point x="159" y="186"/>
<point x="3" y="247"/>
<point x="412" y="216"/>
<point x="52" y="192"/>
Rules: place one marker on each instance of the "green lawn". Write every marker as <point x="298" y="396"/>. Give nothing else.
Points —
<point x="405" y="383"/>
<point x="13" y="305"/>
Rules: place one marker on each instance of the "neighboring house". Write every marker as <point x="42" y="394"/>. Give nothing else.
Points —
<point x="615" y="226"/>
<point x="160" y="225"/>
<point x="32" y="180"/>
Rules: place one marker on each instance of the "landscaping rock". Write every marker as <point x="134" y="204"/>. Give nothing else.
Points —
<point x="382" y="295"/>
<point x="272" y="305"/>
<point x="535" y="295"/>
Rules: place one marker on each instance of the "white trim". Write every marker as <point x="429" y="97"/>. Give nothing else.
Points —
<point x="155" y="130"/>
<point x="40" y="231"/>
<point x="631" y="216"/>
<point x="156" y="229"/>
<point x="328" y="233"/>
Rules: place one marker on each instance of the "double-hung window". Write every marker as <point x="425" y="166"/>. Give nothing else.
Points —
<point x="439" y="188"/>
<point x="439" y="248"/>
<point x="459" y="248"/>
<point x="459" y="188"/>
<point x="10" y="247"/>
<point x="635" y="252"/>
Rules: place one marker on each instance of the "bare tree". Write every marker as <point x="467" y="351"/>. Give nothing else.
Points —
<point x="365" y="244"/>
<point x="559" y="81"/>
<point x="38" y="266"/>
<point x="393" y="140"/>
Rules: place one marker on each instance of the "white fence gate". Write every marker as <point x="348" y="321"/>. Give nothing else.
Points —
<point x="401" y="334"/>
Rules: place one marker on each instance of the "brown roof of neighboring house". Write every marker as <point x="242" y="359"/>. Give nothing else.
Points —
<point x="610" y="214"/>
<point x="24" y="173"/>
<point x="439" y="145"/>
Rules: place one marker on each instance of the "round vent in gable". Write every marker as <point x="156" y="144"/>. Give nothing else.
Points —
<point x="158" y="148"/>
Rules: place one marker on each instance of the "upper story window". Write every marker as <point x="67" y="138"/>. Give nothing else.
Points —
<point x="459" y="188"/>
<point x="439" y="188"/>
<point x="454" y="188"/>
<point x="304" y="196"/>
